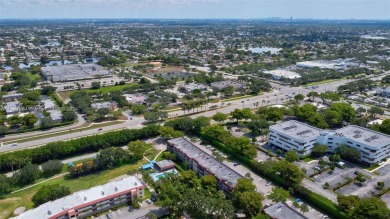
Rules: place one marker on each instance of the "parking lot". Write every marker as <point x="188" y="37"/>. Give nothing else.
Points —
<point x="335" y="177"/>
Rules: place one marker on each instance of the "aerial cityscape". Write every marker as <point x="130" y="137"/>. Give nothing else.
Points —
<point x="194" y="109"/>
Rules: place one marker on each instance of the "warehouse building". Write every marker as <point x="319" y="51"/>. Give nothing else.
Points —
<point x="89" y="202"/>
<point x="279" y="74"/>
<point x="204" y="164"/>
<point x="75" y="72"/>
<point x="293" y="135"/>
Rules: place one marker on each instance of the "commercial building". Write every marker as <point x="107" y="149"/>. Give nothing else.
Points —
<point x="12" y="97"/>
<point x="283" y="211"/>
<point x="204" y="164"/>
<point x="337" y="64"/>
<point x="293" y="135"/>
<point x="109" y="105"/>
<point x="383" y="92"/>
<point x="12" y="108"/>
<point x="279" y="74"/>
<point x="89" y="202"/>
<point x="75" y="72"/>
<point x="50" y="107"/>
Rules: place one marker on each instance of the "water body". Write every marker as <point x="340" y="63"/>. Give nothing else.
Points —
<point x="264" y="50"/>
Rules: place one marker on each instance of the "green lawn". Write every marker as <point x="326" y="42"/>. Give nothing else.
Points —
<point x="35" y="77"/>
<point x="23" y="198"/>
<point x="308" y="159"/>
<point x="322" y="82"/>
<point x="103" y="89"/>
<point x="239" y="97"/>
<point x="94" y="126"/>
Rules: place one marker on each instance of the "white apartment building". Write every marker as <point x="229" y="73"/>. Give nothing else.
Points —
<point x="293" y="135"/>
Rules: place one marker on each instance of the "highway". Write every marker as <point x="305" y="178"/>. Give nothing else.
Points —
<point x="277" y="96"/>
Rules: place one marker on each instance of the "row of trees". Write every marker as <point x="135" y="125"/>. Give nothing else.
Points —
<point x="63" y="149"/>
<point x="361" y="208"/>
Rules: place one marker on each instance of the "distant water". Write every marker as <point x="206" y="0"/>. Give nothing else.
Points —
<point x="265" y="49"/>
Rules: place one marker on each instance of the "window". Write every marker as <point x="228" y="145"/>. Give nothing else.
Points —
<point x="349" y="142"/>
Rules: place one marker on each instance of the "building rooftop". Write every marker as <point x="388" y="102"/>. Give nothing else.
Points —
<point x="74" y="72"/>
<point x="223" y="84"/>
<point x="48" y="104"/>
<point x="282" y="211"/>
<point x="165" y="164"/>
<point x="218" y="169"/>
<point x="12" y="95"/>
<point x="297" y="129"/>
<point x="52" y="208"/>
<point x="283" y="73"/>
<point x="102" y="105"/>
<point x="11" y="107"/>
<point x="364" y="136"/>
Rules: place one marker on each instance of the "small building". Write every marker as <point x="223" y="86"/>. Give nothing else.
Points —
<point x="165" y="165"/>
<point x="283" y="211"/>
<point x="12" y="97"/>
<point x="383" y="92"/>
<point x="147" y="166"/>
<point x="135" y="98"/>
<point x="12" y="108"/>
<point x="109" y="105"/>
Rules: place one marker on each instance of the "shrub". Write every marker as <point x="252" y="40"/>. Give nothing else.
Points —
<point x="51" y="167"/>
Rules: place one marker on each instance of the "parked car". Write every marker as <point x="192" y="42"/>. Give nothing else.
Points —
<point x="100" y="129"/>
<point x="108" y="216"/>
<point x="148" y="201"/>
<point x="14" y="144"/>
<point x="235" y="164"/>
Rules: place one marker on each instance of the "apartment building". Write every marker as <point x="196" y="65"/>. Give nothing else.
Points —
<point x="204" y="164"/>
<point x="293" y="135"/>
<point x="89" y="202"/>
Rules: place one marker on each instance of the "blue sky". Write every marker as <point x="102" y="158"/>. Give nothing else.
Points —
<point x="332" y="9"/>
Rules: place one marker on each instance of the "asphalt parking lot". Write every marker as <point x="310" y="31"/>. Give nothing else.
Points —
<point x="334" y="177"/>
<point x="384" y="170"/>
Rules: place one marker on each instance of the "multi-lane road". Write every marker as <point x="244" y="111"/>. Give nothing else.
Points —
<point x="279" y="95"/>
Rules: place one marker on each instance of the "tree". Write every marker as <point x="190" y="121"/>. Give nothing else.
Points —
<point x="319" y="150"/>
<point x="209" y="183"/>
<point x="376" y="110"/>
<point x="258" y="126"/>
<point x="347" y="153"/>
<point x="135" y="202"/>
<point x="228" y="91"/>
<point x="51" y="167"/>
<point x="29" y="120"/>
<point x="380" y="185"/>
<point x="247" y="114"/>
<point x="68" y="116"/>
<point x="237" y="114"/>
<point x="371" y="207"/>
<point x="47" y="123"/>
<point x="95" y="85"/>
<point x="250" y="203"/>
<point x="138" y="109"/>
<point x="299" y="97"/>
<point x="101" y="113"/>
<point x="243" y="185"/>
<point x="50" y="193"/>
<point x="278" y="195"/>
<point x="27" y="175"/>
<point x="304" y="208"/>
<point x="385" y="126"/>
<point x="291" y="173"/>
<point x="347" y="203"/>
<point x="291" y="156"/>
<point x="220" y="117"/>
<point x="329" y="97"/>
<point x="5" y="186"/>
<point x="312" y="95"/>
<point x="361" y="110"/>
<point x="47" y="90"/>
<point x="151" y="215"/>
<point x="111" y="157"/>
<point x="167" y="132"/>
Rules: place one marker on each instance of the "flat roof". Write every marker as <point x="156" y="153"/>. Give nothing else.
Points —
<point x="52" y="208"/>
<point x="364" y="136"/>
<point x="165" y="164"/>
<point x="283" y="211"/>
<point x="283" y="73"/>
<point x="74" y="72"/>
<point x="297" y="129"/>
<point x="216" y="168"/>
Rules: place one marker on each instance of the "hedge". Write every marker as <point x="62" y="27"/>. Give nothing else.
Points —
<point x="64" y="149"/>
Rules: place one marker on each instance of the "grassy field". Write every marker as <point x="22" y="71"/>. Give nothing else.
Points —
<point x="23" y="198"/>
<point x="238" y="98"/>
<point x="94" y="126"/>
<point x="322" y="82"/>
<point x="35" y="77"/>
<point x="106" y="89"/>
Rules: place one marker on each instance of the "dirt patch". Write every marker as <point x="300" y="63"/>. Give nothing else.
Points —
<point x="19" y="210"/>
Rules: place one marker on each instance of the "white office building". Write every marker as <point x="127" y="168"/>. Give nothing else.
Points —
<point x="293" y="135"/>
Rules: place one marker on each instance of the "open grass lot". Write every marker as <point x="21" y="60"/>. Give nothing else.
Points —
<point x="105" y="90"/>
<point x="94" y="126"/>
<point x="35" y="77"/>
<point x="23" y="198"/>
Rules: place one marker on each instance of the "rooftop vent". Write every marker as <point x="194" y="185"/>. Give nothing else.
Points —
<point x="49" y="212"/>
<point x="102" y="192"/>
<point x="85" y="198"/>
<point x="289" y="127"/>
